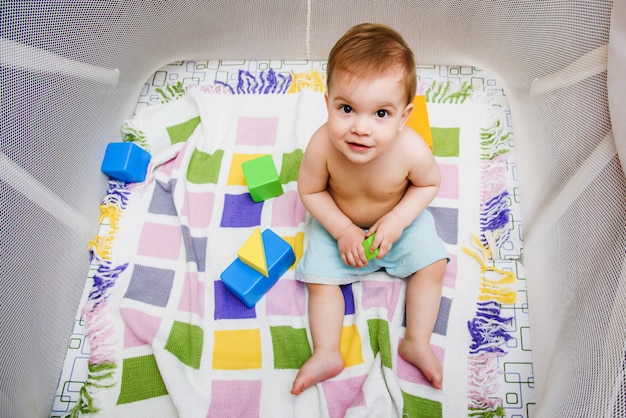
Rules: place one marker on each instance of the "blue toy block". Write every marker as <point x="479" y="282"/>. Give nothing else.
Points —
<point x="126" y="162"/>
<point x="248" y="284"/>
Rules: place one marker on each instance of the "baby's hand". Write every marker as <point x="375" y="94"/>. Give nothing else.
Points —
<point x="388" y="230"/>
<point x="350" y="246"/>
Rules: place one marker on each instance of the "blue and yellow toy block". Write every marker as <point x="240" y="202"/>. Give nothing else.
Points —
<point x="252" y="253"/>
<point x="126" y="162"/>
<point x="249" y="284"/>
<point x="262" y="178"/>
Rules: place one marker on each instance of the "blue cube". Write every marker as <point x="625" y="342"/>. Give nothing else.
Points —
<point x="126" y="162"/>
<point x="248" y="284"/>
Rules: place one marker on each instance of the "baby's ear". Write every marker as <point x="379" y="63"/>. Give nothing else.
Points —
<point x="406" y="113"/>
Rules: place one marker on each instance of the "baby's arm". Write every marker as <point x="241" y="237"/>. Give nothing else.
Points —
<point x="312" y="187"/>
<point x="424" y="180"/>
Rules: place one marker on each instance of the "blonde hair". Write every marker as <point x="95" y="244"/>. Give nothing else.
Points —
<point x="374" y="49"/>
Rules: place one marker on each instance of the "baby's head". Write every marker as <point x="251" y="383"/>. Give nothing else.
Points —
<point x="371" y="50"/>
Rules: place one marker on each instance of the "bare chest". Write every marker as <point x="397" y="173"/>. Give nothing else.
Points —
<point x="366" y="194"/>
<point x="367" y="184"/>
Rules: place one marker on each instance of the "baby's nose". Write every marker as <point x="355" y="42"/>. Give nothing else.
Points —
<point x="361" y="126"/>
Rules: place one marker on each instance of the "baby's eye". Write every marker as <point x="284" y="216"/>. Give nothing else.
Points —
<point x="346" y="108"/>
<point x="382" y="113"/>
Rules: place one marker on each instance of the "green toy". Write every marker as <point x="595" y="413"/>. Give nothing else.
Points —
<point x="262" y="178"/>
<point x="367" y="245"/>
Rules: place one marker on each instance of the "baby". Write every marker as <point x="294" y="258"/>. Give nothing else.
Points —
<point x="364" y="173"/>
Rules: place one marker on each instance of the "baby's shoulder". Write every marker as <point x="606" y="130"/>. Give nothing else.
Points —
<point x="413" y="145"/>
<point x="407" y="142"/>
<point x="320" y="137"/>
<point x="408" y="137"/>
<point x="318" y="147"/>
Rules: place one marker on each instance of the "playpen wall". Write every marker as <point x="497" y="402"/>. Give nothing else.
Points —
<point x="71" y="72"/>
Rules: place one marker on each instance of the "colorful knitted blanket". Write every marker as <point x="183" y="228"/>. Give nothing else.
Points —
<point x="168" y="338"/>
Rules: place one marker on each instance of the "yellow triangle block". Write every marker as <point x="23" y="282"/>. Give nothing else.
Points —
<point x="252" y="253"/>
<point x="418" y="121"/>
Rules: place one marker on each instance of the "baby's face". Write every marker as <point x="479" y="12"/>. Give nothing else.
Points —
<point x="365" y="115"/>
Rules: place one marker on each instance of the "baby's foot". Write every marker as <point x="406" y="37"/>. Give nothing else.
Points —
<point x="321" y="366"/>
<point x="422" y="356"/>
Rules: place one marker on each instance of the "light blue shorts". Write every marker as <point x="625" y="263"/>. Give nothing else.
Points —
<point x="418" y="246"/>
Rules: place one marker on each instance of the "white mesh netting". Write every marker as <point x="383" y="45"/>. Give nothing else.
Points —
<point x="70" y="73"/>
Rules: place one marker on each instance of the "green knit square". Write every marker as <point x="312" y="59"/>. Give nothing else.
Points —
<point x="182" y="131"/>
<point x="380" y="341"/>
<point x="291" y="347"/>
<point x="290" y="165"/>
<point x="185" y="342"/>
<point x="204" y="167"/>
<point x="416" y="407"/>
<point x="140" y="380"/>
<point x="445" y="142"/>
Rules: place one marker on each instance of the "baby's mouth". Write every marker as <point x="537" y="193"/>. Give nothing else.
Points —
<point x="357" y="146"/>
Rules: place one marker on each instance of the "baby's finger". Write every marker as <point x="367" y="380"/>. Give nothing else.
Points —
<point x="359" y="257"/>
<point x="385" y="247"/>
<point x="378" y="240"/>
<point x="355" y="261"/>
<point x="372" y="230"/>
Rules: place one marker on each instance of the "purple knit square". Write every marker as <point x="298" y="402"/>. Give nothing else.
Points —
<point x="348" y="297"/>
<point x="228" y="306"/>
<point x="446" y="222"/>
<point x="240" y="211"/>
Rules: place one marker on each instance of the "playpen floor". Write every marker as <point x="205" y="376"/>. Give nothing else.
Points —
<point x="514" y="388"/>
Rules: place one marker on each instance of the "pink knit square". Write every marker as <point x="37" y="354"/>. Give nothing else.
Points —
<point x="160" y="241"/>
<point x="227" y="398"/>
<point x="140" y="328"/>
<point x="192" y="296"/>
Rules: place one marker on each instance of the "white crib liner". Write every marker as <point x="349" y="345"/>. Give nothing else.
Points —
<point x="516" y="385"/>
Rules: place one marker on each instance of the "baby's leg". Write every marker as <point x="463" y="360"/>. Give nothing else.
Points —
<point x="422" y="307"/>
<point x="326" y="310"/>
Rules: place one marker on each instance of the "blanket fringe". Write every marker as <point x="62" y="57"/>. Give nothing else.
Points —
<point x="99" y="328"/>
<point x="137" y="136"/>
<point x="269" y="82"/>
<point x="444" y="92"/>
<point x="263" y="82"/>
<point x="495" y="211"/>
<point x="312" y="80"/>
<point x="484" y="378"/>
<point x="489" y="332"/>
<point x="494" y="145"/>
<point x="488" y="329"/>
<point x="171" y="91"/>
<point x="492" y="288"/>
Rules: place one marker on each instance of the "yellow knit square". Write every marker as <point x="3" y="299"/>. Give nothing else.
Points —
<point x="235" y="174"/>
<point x="297" y="244"/>
<point x="350" y="346"/>
<point x="237" y="349"/>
